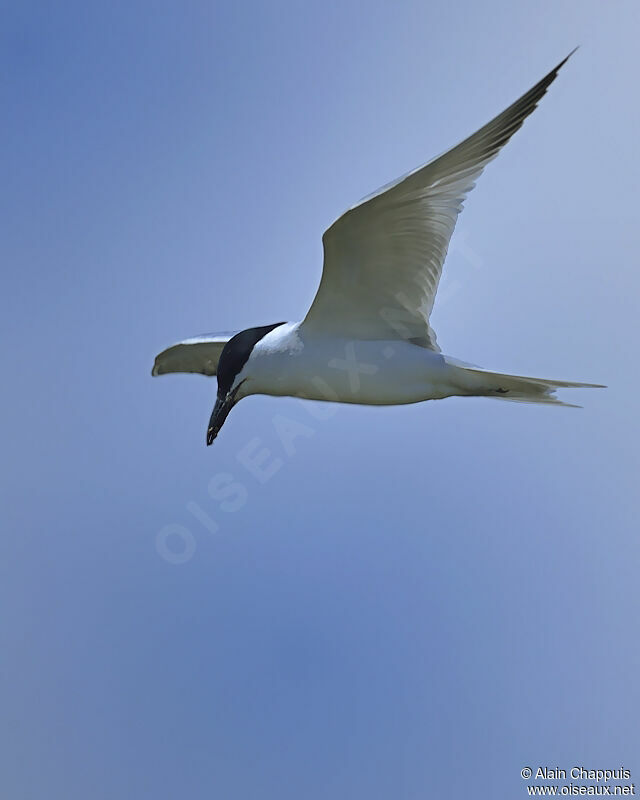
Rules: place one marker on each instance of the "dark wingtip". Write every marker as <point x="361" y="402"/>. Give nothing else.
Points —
<point x="564" y="60"/>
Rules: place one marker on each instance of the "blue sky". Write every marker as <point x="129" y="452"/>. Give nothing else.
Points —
<point x="415" y="601"/>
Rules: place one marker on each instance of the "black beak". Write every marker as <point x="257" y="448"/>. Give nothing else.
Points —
<point x="220" y="412"/>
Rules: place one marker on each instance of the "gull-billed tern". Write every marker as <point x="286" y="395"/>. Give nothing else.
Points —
<point x="366" y="338"/>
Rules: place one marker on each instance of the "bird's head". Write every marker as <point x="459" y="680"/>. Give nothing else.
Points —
<point x="232" y="374"/>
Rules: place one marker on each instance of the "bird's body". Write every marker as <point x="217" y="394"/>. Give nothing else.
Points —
<point x="289" y="362"/>
<point x="366" y="338"/>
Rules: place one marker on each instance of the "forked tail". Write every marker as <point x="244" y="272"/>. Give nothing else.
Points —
<point x="517" y="388"/>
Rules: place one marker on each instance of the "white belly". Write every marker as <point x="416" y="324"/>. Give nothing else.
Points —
<point x="289" y="363"/>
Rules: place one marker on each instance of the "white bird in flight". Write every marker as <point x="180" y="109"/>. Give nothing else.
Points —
<point x="366" y="338"/>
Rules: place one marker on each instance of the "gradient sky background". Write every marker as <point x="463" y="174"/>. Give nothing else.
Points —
<point x="421" y="600"/>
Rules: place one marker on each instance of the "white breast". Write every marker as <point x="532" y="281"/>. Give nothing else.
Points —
<point x="289" y="361"/>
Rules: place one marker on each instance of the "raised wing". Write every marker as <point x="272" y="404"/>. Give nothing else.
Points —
<point x="200" y="354"/>
<point x="383" y="258"/>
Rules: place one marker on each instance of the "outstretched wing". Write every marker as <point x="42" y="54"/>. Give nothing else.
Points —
<point x="200" y="354"/>
<point x="383" y="258"/>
